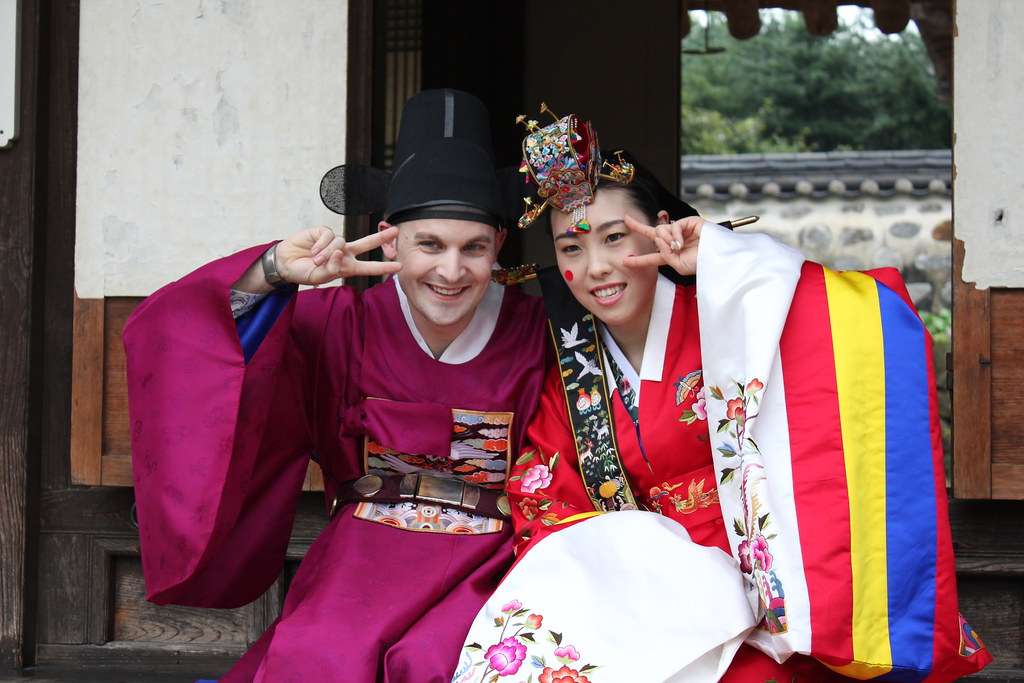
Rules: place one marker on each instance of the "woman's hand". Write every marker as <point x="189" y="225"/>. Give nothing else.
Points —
<point x="316" y="256"/>
<point x="676" y="243"/>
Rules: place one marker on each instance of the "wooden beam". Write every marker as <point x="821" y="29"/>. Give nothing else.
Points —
<point x="891" y="16"/>
<point x="820" y="17"/>
<point x="359" y="108"/>
<point x="19" y="169"/>
<point x="743" y="17"/>
<point x="87" y="392"/>
<point x="972" y="385"/>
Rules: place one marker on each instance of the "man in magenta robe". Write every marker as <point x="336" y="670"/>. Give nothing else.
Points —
<point x="410" y="396"/>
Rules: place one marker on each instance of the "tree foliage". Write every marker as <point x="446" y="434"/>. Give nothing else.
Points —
<point x="789" y="91"/>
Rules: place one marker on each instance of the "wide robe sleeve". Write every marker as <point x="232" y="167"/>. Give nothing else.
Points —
<point x="220" y="445"/>
<point x="545" y="488"/>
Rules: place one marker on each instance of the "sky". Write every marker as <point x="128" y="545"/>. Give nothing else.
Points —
<point x="848" y="14"/>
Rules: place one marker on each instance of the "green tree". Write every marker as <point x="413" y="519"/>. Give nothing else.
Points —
<point x="787" y="90"/>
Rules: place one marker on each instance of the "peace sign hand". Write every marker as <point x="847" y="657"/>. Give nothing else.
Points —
<point x="676" y="242"/>
<point x="316" y="255"/>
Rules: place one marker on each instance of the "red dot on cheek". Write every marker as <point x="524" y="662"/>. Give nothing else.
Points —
<point x="568" y="276"/>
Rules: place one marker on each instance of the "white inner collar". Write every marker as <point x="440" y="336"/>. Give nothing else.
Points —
<point x="654" y="347"/>
<point x="472" y="340"/>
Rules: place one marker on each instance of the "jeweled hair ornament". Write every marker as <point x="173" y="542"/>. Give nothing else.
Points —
<point x="563" y="159"/>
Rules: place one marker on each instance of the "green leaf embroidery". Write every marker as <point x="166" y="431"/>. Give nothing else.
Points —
<point x="527" y="636"/>
<point x="525" y="458"/>
<point x="554" y="461"/>
<point x="587" y="667"/>
<point x="474" y="646"/>
<point x="717" y="393"/>
<point x="544" y="504"/>
<point x="737" y="526"/>
<point x="723" y="425"/>
<point x="727" y="475"/>
<point x="515" y="478"/>
<point x="556" y="638"/>
<point x="521" y="612"/>
<point x="762" y="521"/>
<point x="688" y="416"/>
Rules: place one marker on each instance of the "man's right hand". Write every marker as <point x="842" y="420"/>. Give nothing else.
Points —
<point x="316" y="255"/>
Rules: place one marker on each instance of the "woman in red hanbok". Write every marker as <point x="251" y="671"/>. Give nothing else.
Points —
<point x="675" y="586"/>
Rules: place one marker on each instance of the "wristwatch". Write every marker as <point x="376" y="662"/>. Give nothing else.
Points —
<point x="269" y="264"/>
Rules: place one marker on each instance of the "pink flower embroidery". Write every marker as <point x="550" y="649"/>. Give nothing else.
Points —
<point x="746" y="560"/>
<point x="534" y="621"/>
<point x="563" y="675"/>
<point x="700" y="406"/>
<point x="512" y="606"/>
<point x="535" y="478"/>
<point x="506" y="657"/>
<point x="735" y="409"/>
<point x="761" y="553"/>
<point x="567" y="653"/>
<point x="754" y="385"/>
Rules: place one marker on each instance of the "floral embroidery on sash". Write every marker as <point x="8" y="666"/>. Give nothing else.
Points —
<point x="429" y="518"/>
<point x="522" y="643"/>
<point x="733" y="443"/>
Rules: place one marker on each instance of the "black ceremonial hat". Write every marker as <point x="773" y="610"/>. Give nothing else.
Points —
<point x="443" y="167"/>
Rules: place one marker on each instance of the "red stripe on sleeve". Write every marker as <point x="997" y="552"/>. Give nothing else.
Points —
<point x="819" y="470"/>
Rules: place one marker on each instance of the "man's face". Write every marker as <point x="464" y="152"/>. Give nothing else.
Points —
<point x="446" y="268"/>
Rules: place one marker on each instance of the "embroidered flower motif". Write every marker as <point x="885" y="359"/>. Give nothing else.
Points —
<point x="761" y="553"/>
<point x="507" y="656"/>
<point x="754" y="385"/>
<point x="512" y="606"/>
<point x="735" y="409"/>
<point x="529" y="507"/>
<point x="746" y="559"/>
<point x="563" y="675"/>
<point x="567" y="653"/>
<point x="700" y="406"/>
<point x="535" y="478"/>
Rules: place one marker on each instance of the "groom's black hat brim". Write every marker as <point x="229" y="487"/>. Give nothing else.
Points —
<point x="443" y="157"/>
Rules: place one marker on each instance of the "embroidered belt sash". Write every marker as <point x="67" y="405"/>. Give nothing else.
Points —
<point x="580" y="358"/>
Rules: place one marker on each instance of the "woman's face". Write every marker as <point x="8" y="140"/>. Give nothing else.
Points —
<point x="591" y="262"/>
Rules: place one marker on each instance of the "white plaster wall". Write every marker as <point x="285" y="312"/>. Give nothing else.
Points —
<point x="204" y="127"/>
<point x="988" y="76"/>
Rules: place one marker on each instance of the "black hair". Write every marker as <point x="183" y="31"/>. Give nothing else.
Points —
<point x="646" y="193"/>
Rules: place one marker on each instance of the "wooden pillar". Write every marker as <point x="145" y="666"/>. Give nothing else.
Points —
<point x="19" y="169"/>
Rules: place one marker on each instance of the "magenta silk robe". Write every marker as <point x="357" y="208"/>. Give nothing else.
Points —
<point x="220" y="449"/>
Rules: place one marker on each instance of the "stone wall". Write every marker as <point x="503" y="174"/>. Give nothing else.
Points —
<point x="911" y="233"/>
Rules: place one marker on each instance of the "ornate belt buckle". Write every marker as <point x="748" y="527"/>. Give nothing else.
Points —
<point x="439" y="490"/>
